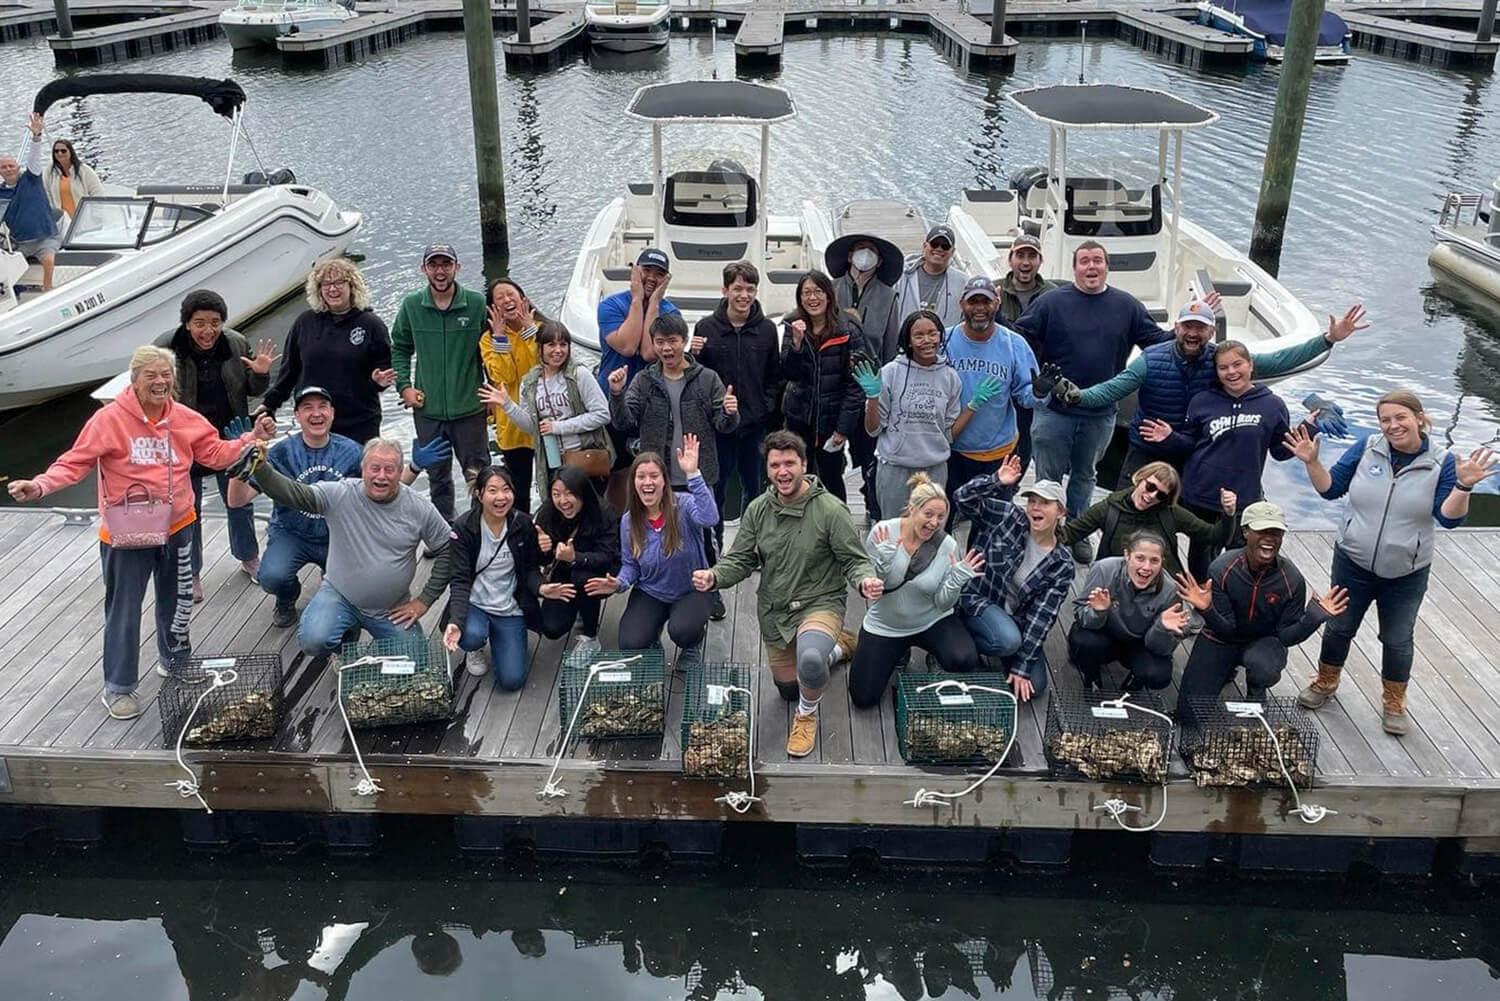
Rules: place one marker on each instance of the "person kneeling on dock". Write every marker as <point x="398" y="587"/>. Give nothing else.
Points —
<point x="802" y="540"/>
<point x="923" y="575"/>
<point x="580" y="539"/>
<point x="1129" y="612"/>
<point x="1254" y="606"/>
<point x="375" y="525"/>
<point x="661" y="546"/>
<point x="497" y="581"/>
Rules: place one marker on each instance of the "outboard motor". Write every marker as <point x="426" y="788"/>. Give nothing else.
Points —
<point x="724" y="165"/>
<point x="1026" y="178"/>
<point x="281" y="175"/>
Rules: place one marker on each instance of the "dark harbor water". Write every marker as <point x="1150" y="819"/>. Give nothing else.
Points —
<point x="417" y="922"/>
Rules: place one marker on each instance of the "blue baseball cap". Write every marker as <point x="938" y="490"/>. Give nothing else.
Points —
<point x="439" y="250"/>
<point x="653" y="258"/>
<point x="1197" y="311"/>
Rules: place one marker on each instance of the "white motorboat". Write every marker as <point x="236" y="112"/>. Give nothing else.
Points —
<point x="1264" y="22"/>
<point x="708" y="212"/>
<point x="1468" y="239"/>
<point x="253" y="23"/>
<point x="628" y="25"/>
<point x="128" y="258"/>
<point x="1155" y="253"/>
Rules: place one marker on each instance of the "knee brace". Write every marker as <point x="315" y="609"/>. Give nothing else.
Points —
<point x="813" y="650"/>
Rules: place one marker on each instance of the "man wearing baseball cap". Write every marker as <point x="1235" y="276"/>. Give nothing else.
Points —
<point x="1254" y="606"/>
<point x="1023" y="284"/>
<point x="929" y="282"/>
<point x="625" y="320"/>
<point x="439" y="327"/>
<point x="1166" y="376"/>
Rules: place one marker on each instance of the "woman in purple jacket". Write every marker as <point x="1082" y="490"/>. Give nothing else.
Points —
<point x="661" y="544"/>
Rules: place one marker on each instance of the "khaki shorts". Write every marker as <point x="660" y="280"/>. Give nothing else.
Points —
<point x="783" y="659"/>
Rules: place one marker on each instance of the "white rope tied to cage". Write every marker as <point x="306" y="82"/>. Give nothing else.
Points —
<point x="188" y="788"/>
<point x="366" y="786"/>
<point x="551" y="789"/>
<point x="1115" y="807"/>
<point x="1308" y="813"/>
<point x="936" y="797"/>
<point x="742" y="801"/>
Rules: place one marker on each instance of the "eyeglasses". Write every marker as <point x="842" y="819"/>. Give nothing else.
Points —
<point x="335" y="283"/>
<point x="205" y="325"/>
<point x="813" y="293"/>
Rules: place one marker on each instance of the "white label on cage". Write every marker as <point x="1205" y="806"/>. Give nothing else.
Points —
<point x="717" y="695"/>
<point x="613" y="676"/>
<point x="1250" y="708"/>
<point x="1109" y="712"/>
<point x="398" y="665"/>
<point x="217" y="663"/>
<point x="955" y="699"/>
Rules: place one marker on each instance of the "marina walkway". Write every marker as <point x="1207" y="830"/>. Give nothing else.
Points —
<point x="58" y="746"/>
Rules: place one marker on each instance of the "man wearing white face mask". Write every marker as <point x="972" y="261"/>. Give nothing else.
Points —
<point x="864" y="270"/>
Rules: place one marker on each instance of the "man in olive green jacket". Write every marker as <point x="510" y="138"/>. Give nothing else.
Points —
<point x="803" y="541"/>
<point x="439" y="326"/>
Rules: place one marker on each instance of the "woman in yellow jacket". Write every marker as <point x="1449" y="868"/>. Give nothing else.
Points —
<point x="508" y="347"/>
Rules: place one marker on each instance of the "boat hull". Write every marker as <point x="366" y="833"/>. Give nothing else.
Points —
<point x="642" y="31"/>
<point x="254" y="253"/>
<point x="1476" y="269"/>
<point x="251" y="31"/>
<point x="629" y="41"/>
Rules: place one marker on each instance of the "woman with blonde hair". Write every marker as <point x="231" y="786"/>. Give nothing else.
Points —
<point x="143" y="445"/>
<point x="1149" y="504"/>
<point x="923" y="573"/>
<point x="1400" y="485"/>
<point x="339" y="344"/>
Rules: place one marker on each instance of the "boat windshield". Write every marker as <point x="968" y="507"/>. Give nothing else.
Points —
<point x="128" y="223"/>
<point x="1111" y="195"/>
<point x="276" y="5"/>
<point x="721" y="197"/>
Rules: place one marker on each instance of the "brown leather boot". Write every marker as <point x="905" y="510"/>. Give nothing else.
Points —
<point x="1324" y="685"/>
<point x="1393" y="707"/>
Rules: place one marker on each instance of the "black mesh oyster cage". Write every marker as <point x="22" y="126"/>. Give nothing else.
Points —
<point x="248" y="708"/>
<point x="393" y="681"/>
<point x="1228" y="745"/>
<point x="938" y="721"/>
<point x="716" y="721"/>
<point x="625" y="697"/>
<point x="1088" y="739"/>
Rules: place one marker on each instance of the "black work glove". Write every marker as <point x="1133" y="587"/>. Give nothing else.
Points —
<point x="1045" y="379"/>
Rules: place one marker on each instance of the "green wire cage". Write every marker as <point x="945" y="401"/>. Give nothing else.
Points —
<point x="410" y="683"/>
<point x="627" y="696"/>
<point x="950" y="726"/>
<point x="716" y="722"/>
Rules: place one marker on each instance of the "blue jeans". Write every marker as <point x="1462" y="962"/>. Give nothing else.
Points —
<point x="126" y="574"/>
<point x="506" y="635"/>
<point x="242" y="544"/>
<point x="1068" y="446"/>
<point x="329" y="616"/>
<point x="1396" y="600"/>
<point x="997" y="635"/>
<point x="286" y="554"/>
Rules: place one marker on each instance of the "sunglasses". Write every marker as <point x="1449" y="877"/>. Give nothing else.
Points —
<point x="940" y="245"/>
<point x="1153" y="489"/>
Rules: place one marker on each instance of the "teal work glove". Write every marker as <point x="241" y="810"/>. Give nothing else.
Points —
<point x="868" y="378"/>
<point x="235" y="428"/>
<point x="989" y="387"/>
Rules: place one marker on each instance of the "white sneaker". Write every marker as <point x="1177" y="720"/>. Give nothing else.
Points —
<point x="121" y="706"/>
<point x="477" y="664"/>
<point x="161" y="670"/>
<point x="587" y="646"/>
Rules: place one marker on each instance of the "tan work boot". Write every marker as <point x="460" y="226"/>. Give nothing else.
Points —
<point x="1393" y="707"/>
<point x="804" y="736"/>
<point x="847" y="642"/>
<point x="1324" y="685"/>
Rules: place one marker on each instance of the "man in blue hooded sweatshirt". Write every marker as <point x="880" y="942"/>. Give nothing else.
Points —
<point x="24" y="199"/>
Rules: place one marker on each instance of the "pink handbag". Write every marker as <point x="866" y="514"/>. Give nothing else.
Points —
<point x="139" y="520"/>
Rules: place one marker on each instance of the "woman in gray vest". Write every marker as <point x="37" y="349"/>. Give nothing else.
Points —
<point x="1400" y="484"/>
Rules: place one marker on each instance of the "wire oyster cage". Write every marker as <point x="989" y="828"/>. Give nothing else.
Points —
<point x="1230" y="746"/>
<point x="949" y="726"/>
<point x="716" y="721"/>
<point x="625" y="697"/>
<point x="248" y="708"/>
<point x="1086" y="740"/>
<point x="406" y="681"/>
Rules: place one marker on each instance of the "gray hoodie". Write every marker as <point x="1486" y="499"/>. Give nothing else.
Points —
<point x="909" y="297"/>
<point x="1133" y="613"/>
<point x="918" y="405"/>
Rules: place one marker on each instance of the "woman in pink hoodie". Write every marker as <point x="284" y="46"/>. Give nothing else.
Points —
<point x="142" y="439"/>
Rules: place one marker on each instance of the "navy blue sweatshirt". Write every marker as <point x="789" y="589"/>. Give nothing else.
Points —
<point x="1089" y="335"/>
<point x="1226" y="441"/>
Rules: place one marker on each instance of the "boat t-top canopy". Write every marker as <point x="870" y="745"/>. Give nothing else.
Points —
<point x="722" y="102"/>
<point x="1110" y="106"/>
<point x="225" y="97"/>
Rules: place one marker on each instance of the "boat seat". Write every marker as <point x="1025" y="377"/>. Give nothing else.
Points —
<point x="784" y="277"/>
<point x="624" y="6"/>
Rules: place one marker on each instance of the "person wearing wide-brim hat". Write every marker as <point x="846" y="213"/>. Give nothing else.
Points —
<point x="865" y="269"/>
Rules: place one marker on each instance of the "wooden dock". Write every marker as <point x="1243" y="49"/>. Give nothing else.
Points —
<point x="58" y="747"/>
<point x="1391" y="32"/>
<point x="547" y="44"/>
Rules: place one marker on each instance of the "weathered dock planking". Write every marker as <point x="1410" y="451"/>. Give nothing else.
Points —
<point x="58" y="747"/>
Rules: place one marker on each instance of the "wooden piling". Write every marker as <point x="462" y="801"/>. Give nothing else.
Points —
<point x="484" y="102"/>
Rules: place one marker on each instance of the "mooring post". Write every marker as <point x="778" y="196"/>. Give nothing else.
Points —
<point x="65" y="18"/>
<point x="1486" y="21"/>
<point x="523" y="21"/>
<point x="1286" y="134"/>
<point x="484" y="102"/>
<point x="997" y="23"/>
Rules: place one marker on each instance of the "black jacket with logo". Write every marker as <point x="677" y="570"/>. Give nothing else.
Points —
<point x="338" y="352"/>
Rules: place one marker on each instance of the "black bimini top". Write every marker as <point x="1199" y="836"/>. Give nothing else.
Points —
<point x="726" y="101"/>
<point x="1110" y="106"/>
<point x="224" y="96"/>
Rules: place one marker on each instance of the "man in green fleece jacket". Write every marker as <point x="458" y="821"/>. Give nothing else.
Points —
<point x="802" y="540"/>
<point x="439" y="326"/>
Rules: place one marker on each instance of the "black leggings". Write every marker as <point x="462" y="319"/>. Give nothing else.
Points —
<point x="1212" y="665"/>
<point x="875" y="660"/>
<point x="686" y="620"/>
<point x="558" y="616"/>
<point x="518" y="462"/>
<point x="1091" y="649"/>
